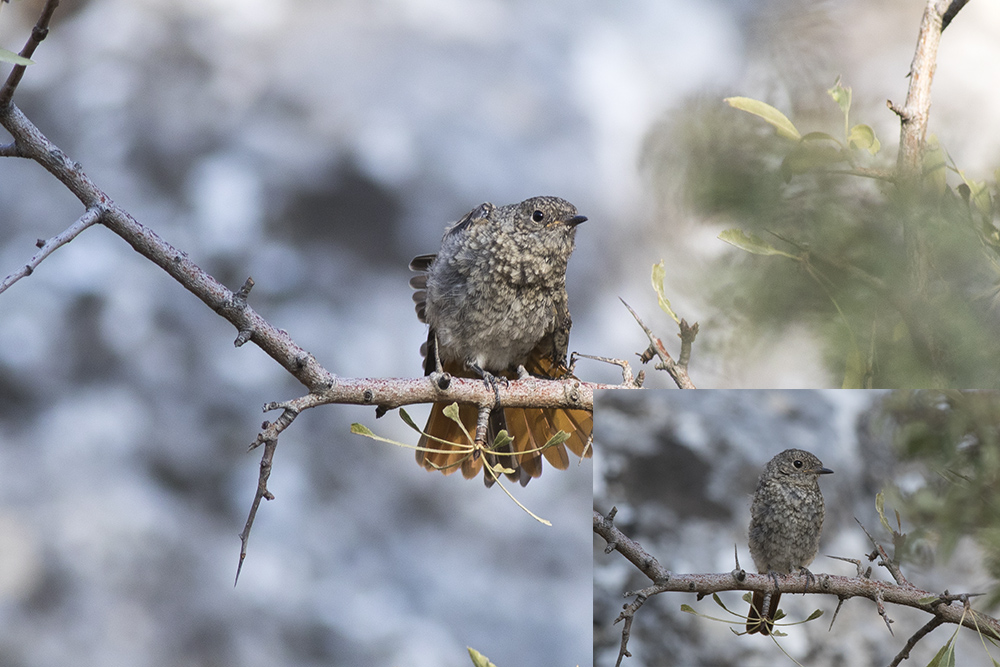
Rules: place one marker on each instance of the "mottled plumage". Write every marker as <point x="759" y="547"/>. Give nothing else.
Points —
<point x="494" y="298"/>
<point x="786" y="522"/>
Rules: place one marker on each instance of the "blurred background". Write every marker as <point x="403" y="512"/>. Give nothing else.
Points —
<point x="319" y="145"/>
<point x="681" y="467"/>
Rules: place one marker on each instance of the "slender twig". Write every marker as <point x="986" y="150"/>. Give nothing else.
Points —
<point x="262" y="492"/>
<point x="628" y="615"/>
<point x="628" y="379"/>
<point x="626" y="546"/>
<point x="275" y="342"/>
<point x="38" y="33"/>
<point x="884" y="559"/>
<point x="925" y="630"/>
<point x="46" y="248"/>
<point x="676" y="369"/>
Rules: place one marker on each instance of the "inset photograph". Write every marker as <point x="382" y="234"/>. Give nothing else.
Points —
<point x="738" y="527"/>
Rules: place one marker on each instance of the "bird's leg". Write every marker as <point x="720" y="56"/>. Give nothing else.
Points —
<point x="437" y="356"/>
<point x="774" y="578"/>
<point x="522" y="372"/>
<point x="490" y="380"/>
<point x="810" y="577"/>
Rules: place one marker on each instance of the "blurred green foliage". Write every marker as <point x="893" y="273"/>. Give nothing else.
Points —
<point x="955" y="438"/>
<point x="899" y="282"/>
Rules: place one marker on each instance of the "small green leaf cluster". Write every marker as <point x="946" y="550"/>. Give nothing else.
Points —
<point x="955" y="436"/>
<point x="899" y="284"/>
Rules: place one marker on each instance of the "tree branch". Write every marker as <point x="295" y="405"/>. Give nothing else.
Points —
<point x="940" y="606"/>
<point x="91" y="216"/>
<point x="323" y="386"/>
<point x="914" y="113"/>
<point x="38" y="33"/>
<point x="276" y="343"/>
<point x="924" y="630"/>
<point x="678" y="370"/>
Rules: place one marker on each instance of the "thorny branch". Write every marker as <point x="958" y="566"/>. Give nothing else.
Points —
<point x="46" y="248"/>
<point x="322" y="385"/>
<point x="925" y="630"/>
<point x="939" y="605"/>
<point x="678" y="370"/>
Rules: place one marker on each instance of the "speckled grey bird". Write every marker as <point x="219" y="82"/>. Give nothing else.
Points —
<point x="494" y="298"/>
<point x="785" y="525"/>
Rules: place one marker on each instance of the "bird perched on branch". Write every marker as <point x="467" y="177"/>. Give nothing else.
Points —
<point x="494" y="298"/>
<point x="785" y="525"/>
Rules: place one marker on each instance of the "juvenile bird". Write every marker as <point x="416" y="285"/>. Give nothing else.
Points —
<point x="785" y="525"/>
<point x="494" y="298"/>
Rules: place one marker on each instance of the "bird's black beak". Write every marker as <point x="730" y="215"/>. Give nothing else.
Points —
<point x="822" y="471"/>
<point x="576" y="220"/>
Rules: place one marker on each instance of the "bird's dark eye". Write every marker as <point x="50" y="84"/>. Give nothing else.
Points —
<point x="797" y="463"/>
<point x="537" y="216"/>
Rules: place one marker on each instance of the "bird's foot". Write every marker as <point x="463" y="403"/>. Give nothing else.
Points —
<point x="810" y="577"/>
<point x="490" y="380"/>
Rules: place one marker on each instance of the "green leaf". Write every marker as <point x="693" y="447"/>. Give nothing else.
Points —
<point x="11" y="57"/>
<point x="808" y="157"/>
<point x="935" y="167"/>
<point x="478" y="659"/>
<point x="451" y="412"/>
<point x="405" y="416"/>
<point x="501" y="469"/>
<point x="842" y="96"/>
<point x="751" y="243"/>
<point x="658" y="274"/>
<point x="979" y="195"/>
<point x="820" y="136"/>
<point x="945" y="657"/>
<point x="559" y="438"/>
<point x="768" y="113"/>
<point x="501" y="440"/>
<point x="361" y="429"/>
<point x="690" y="610"/>
<point x="880" y="508"/>
<point x="927" y="600"/>
<point x="863" y="137"/>
<point x="813" y="616"/>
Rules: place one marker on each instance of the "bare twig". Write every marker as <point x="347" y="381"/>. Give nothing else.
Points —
<point x="628" y="379"/>
<point x="632" y="550"/>
<point x="884" y="559"/>
<point x="46" y="248"/>
<point x="262" y="492"/>
<point x="948" y="9"/>
<point x="38" y="33"/>
<point x="880" y="605"/>
<point x="677" y="369"/>
<point x="276" y="343"/>
<point x="925" y="630"/>
<point x="627" y="615"/>
<point x="914" y="113"/>
<point x="618" y="541"/>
